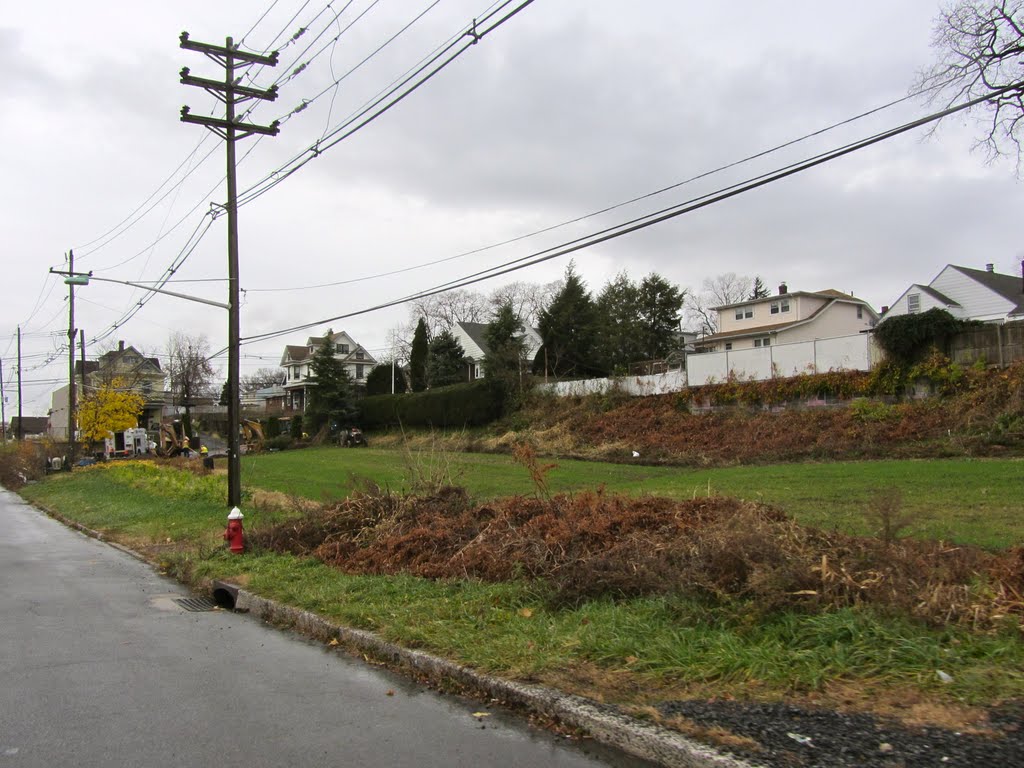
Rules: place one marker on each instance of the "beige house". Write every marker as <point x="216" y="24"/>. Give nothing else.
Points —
<point x="296" y="361"/>
<point x="788" y="318"/>
<point x="138" y="372"/>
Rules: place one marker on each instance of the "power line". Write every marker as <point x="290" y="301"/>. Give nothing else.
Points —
<point x="601" y="211"/>
<point x="651" y="219"/>
<point x="384" y="102"/>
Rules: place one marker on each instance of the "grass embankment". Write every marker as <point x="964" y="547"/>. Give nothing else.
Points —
<point x="637" y="651"/>
<point x="966" y="501"/>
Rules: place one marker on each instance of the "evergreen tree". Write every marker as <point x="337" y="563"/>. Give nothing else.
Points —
<point x="330" y="396"/>
<point x="447" y="360"/>
<point x="419" y="357"/>
<point x="759" y="291"/>
<point x="504" y="363"/>
<point x="378" y="381"/>
<point x="568" y="328"/>
<point x="616" y="312"/>
<point x="659" y="304"/>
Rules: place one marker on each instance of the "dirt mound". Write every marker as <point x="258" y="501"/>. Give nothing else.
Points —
<point x="594" y="544"/>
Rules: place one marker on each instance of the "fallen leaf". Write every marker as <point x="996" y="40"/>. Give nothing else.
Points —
<point x="525" y="612"/>
<point x="632" y="659"/>
<point x="390" y="692"/>
<point x="481" y="714"/>
<point x="334" y="641"/>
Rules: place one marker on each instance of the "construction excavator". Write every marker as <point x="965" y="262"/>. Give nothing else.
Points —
<point x="171" y="439"/>
<point x="252" y="435"/>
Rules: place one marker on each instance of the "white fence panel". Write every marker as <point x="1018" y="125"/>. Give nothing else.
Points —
<point x="851" y="353"/>
<point x="640" y="386"/>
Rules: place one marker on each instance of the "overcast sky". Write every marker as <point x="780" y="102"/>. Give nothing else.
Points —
<point x="569" y="107"/>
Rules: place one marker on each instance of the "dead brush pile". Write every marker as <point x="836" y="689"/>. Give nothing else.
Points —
<point x="593" y="544"/>
<point x="20" y="462"/>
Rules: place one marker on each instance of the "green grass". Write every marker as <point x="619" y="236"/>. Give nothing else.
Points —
<point x="647" y="649"/>
<point x="967" y="501"/>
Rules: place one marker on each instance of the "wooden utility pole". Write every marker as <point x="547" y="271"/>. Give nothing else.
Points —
<point x="72" y="400"/>
<point x="81" y="349"/>
<point x="21" y="424"/>
<point x="3" y="405"/>
<point x="230" y="93"/>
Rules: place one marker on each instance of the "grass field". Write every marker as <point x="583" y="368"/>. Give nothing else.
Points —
<point x="636" y="651"/>
<point x="967" y="501"/>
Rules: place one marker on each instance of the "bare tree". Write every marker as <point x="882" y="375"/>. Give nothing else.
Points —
<point x="980" y="47"/>
<point x="262" y="378"/>
<point x="189" y="372"/>
<point x="443" y="310"/>
<point x="699" y="308"/>
<point x="527" y="300"/>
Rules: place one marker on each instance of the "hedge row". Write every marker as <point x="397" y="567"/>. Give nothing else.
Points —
<point x="447" y="407"/>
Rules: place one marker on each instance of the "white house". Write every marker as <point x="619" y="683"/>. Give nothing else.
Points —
<point x="968" y="294"/>
<point x="788" y="318"/>
<point x="471" y="337"/>
<point x="296" y="361"/>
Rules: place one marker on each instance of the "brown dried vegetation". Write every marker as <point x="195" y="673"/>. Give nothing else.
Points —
<point x="594" y="544"/>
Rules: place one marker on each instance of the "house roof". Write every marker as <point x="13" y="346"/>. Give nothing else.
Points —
<point x="295" y="352"/>
<point x="1010" y="287"/>
<point x="476" y="332"/>
<point x="828" y="293"/>
<point x="937" y="295"/>
<point x="30" y="425"/>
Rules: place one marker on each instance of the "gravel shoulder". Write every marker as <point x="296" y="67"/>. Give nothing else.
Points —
<point x="784" y="735"/>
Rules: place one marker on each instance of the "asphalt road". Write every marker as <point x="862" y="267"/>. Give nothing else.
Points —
<point x="99" y="666"/>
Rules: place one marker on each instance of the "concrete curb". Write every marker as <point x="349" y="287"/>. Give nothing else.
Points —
<point x="670" y="749"/>
<point x="605" y="725"/>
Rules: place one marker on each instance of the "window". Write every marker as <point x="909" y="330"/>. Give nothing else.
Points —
<point x="343" y="349"/>
<point x="860" y="312"/>
<point x="728" y="346"/>
<point x="913" y="303"/>
<point x="478" y="371"/>
<point x="359" y="371"/>
<point x="739" y="313"/>
<point x="359" y="355"/>
<point x="765" y="342"/>
<point x="785" y="305"/>
<point x="775" y="307"/>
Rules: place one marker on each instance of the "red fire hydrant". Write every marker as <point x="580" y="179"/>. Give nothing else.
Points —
<point x="235" y="534"/>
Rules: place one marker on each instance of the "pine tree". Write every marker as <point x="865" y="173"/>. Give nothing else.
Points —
<point x="617" y="343"/>
<point x="447" y="360"/>
<point x="759" y="291"/>
<point x="504" y="363"/>
<point x="330" y="401"/>
<point x="568" y="328"/>
<point x="378" y="381"/>
<point x="659" y="304"/>
<point x="419" y="357"/>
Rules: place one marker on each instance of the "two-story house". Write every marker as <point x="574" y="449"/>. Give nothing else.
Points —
<point x="968" y="294"/>
<point x="296" y="362"/>
<point x="788" y="318"/>
<point x="128" y="366"/>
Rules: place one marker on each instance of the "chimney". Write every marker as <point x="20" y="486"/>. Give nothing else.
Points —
<point x="120" y="346"/>
<point x="783" y="289"/>
<point x="885" y="309"/>
<point x="990" y="267"/>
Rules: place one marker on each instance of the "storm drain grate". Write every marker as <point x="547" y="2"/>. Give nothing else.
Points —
<point x="196" y="604"/>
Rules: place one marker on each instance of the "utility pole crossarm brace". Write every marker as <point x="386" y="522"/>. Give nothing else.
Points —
<point x="223" y="51"/>
<point x="215" y="123"/>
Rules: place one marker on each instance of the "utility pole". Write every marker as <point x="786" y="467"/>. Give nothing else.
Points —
<point x="21" y="426"/>
<point x="230" y="93"/>
<point x="3" y="404"/>
<point x="71" y="364"/>
<point x="81" y="347"/>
